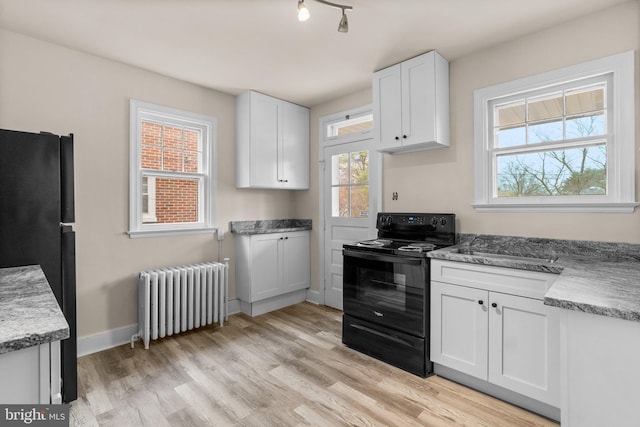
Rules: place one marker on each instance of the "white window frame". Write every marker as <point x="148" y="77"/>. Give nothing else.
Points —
<point x="620" y="197"/>
<point x="144" y="111"/>
<point x="151" y="189"/>
<point x="333" y="119"/>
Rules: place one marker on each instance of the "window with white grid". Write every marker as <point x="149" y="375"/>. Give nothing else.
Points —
<point x="560" y="141"/>
<point x="172" y="173"/>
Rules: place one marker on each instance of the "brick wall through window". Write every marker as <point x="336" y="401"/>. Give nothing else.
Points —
<point x="176" y="200"/>
<point x="173" y="149"/>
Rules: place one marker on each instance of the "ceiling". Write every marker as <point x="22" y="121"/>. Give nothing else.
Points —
<point x="234" y="45"/>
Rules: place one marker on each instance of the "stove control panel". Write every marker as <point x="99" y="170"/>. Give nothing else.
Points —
<point x="440" y="222"/>
<point x="402" y="219"/>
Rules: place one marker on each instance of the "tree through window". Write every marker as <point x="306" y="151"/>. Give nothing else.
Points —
<point x="552" y="145"/>
<point x="561" y="140"/>
<point x="350" y="184"/>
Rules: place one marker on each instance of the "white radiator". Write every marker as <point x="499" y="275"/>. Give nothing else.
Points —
<point x="177" y="299"/>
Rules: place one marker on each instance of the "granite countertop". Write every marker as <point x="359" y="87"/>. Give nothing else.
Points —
<point x="269" y="226"/>
<point x="29" y="312"/>
<point x="593" y="277"/>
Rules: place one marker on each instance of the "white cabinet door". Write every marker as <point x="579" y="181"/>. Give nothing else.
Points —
<point x="524" y="347"/>
<point x="266" y="257"/>
<point x="27" y="375"/>
<point x="516" y="344"/>
<point x="387" y="106"/>
<point x="293" y="154"/>
<point x="411" y="104"/>
<point x="265" y="113"/>
<point x="296" y="261"/>
<point x="418" y="100"/>
<point x="459" y="328"/>
<point x="272" y="143"/>
<point x="273" y="264"/>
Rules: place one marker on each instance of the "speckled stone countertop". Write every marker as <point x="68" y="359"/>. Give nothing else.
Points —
<point x="269" y="226"/>
<point x="29" y="312"/>
<point x="593" y="277"/>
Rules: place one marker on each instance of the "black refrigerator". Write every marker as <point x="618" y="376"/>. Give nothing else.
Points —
<point x="36" y="212"/>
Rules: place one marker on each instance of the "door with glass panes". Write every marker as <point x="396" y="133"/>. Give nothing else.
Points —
<point x="351" y="194"/>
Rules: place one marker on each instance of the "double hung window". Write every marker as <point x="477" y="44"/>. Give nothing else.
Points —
<point x="560" y="141"/>
<point x="172" y="173"/>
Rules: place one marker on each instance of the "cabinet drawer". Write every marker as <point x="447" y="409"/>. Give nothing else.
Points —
<point x="524" y="283"/>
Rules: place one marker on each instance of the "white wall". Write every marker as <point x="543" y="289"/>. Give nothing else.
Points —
<point x="307" y="202"/>
<point x="447" y="175"/>
<point x="48" y="87"/>
<point x="51" y="88"/>
<point x="442" y="180"/>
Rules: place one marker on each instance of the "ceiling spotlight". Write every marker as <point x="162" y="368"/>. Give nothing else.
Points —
<point x="303" y="12"/>
<point x="343" y="26"/>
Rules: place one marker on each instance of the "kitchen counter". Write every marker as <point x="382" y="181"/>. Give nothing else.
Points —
<point x="29" y="312"/>
<point x="269" y="226"/>
<point x="593" y="277"/>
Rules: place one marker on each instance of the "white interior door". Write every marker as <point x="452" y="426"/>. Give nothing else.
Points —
<point x="350" y="191"/>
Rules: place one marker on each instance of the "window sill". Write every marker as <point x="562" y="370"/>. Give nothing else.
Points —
<point x="174" y="232"/>
<point x="553" y="207"/>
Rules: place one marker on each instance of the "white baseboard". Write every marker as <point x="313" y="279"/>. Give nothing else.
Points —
<point x="106" y="340"/>
<point x="233" y="306"/>
<point x="119" y="336"/>
<point x="313" y="296"/>
<point x="257" y="308"/>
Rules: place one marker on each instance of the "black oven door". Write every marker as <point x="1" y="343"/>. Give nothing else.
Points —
<point x="387" y="290"/>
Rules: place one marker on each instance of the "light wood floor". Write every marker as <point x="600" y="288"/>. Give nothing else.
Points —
<point x="286" y="368"/>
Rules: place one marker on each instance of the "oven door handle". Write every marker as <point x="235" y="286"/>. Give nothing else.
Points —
<point x="382" y="258"/>
<point x="383" y="335"/>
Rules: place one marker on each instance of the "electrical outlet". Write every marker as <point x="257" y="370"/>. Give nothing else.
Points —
<point x="395" y="195"/>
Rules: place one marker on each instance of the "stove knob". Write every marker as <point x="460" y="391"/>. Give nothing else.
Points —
<point x="434" y="221"/>
<point x="443" y="221"/>
<point x="389" y="219"/>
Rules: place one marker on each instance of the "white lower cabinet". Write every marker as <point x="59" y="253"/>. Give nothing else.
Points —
<point x="459" y="328"/>
<point x="272" y="270"/>
<point x="491" y="323"/>
<point x="600" y="374"/>
<point x="31" y="375"/>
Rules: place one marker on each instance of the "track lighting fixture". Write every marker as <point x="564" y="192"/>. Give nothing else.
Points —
<point x="303" y="12"/>
<point x="343" y="26"/>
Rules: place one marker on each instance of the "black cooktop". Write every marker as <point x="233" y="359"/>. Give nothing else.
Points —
<point x="394" y="247"/>
<point x="409" y="234"/>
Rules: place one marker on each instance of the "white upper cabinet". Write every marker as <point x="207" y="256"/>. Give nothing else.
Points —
<point x="293" y="158"/>
<point x="272" y="143"/>
<point x="411" y="104"/>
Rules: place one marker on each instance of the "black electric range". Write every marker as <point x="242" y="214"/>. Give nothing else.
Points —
<point x="386" y="288"/>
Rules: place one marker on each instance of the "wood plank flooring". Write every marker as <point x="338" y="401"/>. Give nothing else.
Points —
<point x="285" y="368"/>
